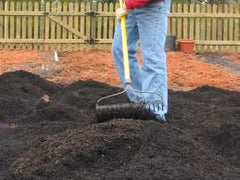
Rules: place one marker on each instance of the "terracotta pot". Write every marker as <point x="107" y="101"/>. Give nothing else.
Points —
<point x="186" y="45"/>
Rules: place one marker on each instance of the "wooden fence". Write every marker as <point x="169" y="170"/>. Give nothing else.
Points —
<point x="72" y="26"/>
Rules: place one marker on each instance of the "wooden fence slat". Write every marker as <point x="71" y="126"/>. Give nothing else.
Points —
<point x="99" y="26"/>
<point x="70" y="20"/>
<point x="30" y="24"/>
<point x="1" y="23"/>
<point x="36" y="24"/>
<point x="47" y="26"/>
<point x="191" y="27"/>
<point x="214" y="26"/>
<point x="197" y="26"/>
<point x="76" y="24"/>
<point x="203" y="28"/>
<point x="208" y="26"/>
<point x="179" y="22"/>
<point x="42" y="23"/>
<point x="24" y="23"/>
<point x="220" y="27"/>
<point x="64" y="19"/>
<point x="83" y="21"/>
<point x="105" y="21"/>
<point x="185" y="22"/>
<point x="231" y="27"/>
<point x="110" y="27"/>
<point x="225" y="27"/>
<point x="82" y="27"/>
<point x="59" y="30"/>
<point x="12" y="23"/>
<point x="237" y="28"/>
<point x="18" y="23"/>
<point x="174" y="20"/>
<point x="88" y="22"/>
<point x="52" y="23"/>
<point x="94" y="21"/>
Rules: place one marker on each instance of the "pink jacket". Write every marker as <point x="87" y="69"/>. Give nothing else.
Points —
<point x="131" y="4"/>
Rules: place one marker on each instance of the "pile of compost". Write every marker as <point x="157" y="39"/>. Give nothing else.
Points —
<point x="49" y="131"/>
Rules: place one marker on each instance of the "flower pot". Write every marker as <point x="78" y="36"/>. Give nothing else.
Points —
<point x="186" y="46"/>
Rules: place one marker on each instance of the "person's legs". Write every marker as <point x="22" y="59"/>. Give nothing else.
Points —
<point x="133" y="37"/>
<point x="152" y="27"/>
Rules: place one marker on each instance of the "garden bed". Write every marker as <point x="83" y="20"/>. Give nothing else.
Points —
<point x="48" y="129"/>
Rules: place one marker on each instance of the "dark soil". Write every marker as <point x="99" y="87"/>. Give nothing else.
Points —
<point x="60" y="139"/>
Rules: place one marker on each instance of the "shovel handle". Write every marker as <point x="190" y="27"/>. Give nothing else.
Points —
<point x="125" y="47"/>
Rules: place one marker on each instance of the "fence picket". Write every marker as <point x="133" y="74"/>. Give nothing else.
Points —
<point x="83" y="23"/>
<point x="1" y="23"/>
<point x="59" y="30"/>
<point x="197" y="27"/>
<point x="231" y="27"/>
<point x="6" y="24"/>
<point x="111" y="22"/>
<point x="41" y="25"/>
<point x="105" y="21"/>
<point x="225" y="27"/>
<point x="185" y="22"/>
<point x="30" y="25"/>
<point x="70" y="19"/>
<point x="24" y="23"/>
<point x="18" y="21"/>
<point x="36" y="24"/>
<point x="214" y="27"/>
<point x="65" y="20"/>
<point x="76" y="24"/>
<point x="47" y="26"/>
<point x="220" y="27"/>
<point x="12" y="23"/>
<point x="191" y="28"/>
<point x="174" y="20"/>
<point x="99" y="21"/>
<point x="88" y="22"/>
<point x="203" y="28"/>
<point x="179" y="22"/>
<point x="208" y="26"/>
<point x="53" y="24"/>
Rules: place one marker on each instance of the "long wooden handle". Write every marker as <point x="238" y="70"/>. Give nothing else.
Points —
<point x="125" y="47"/>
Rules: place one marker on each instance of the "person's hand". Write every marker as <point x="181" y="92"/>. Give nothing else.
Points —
<point x="122" y="12"/>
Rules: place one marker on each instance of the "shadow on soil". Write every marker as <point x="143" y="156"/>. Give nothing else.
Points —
<point x="58" y="138"/>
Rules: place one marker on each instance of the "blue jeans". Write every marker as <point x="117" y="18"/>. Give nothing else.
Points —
<point x="149" y="25"/>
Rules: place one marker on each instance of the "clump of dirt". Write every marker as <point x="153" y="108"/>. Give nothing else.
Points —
<point x="227" y="142"/>
<point x="49" y="131"/>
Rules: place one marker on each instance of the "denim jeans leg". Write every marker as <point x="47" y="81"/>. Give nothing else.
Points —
<point x="133" y="37"/>
<point x="152" y="27"/>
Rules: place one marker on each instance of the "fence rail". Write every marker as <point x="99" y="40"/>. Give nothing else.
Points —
<point x="69" y="26"/>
